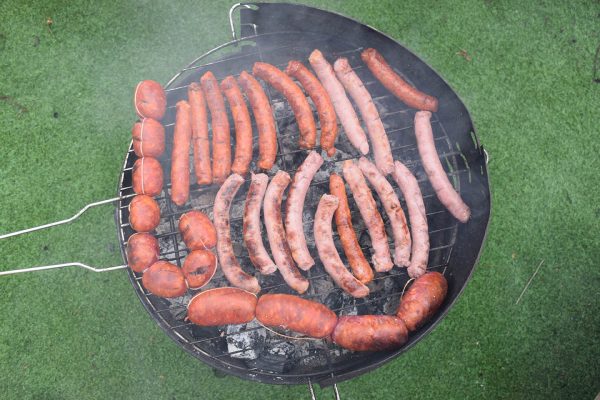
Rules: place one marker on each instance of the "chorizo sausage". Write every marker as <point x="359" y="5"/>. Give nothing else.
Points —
<point x="164" y="279"/>
<point x="148" y="138"/>
<point x="201" y="145"/>
<point x="199" y="267"/>
<point x="197" y="231"/>
<point x="180" y="156"/>
<point x="422" y="299"/>
<point x="144" y="213"/>
<point x="370" y="332"/>
<point x="150" y="100"/>
<point x="142" y="251"/>
<point x="147" y="176"/>
<point x="222" y="306"/>
<point x="243" y="126"/>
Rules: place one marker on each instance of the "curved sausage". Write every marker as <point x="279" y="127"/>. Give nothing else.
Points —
<point x="435" y="172"/>
<point x="150" y="100"/>
<point x="164" y="279"/>
<point x="276" y="233"/>
<point x="294" y="226"/>
<point x="368" y="210"/>
<point x="343" y="220"/>
<point x="180" y="156"/>
<point x="148" y="138"/>
<point x="328" y="253"/>
<point x="286" y="86"/>
<point x="418" y="219"/>
<point x="199" y="267"/>
<point x="370" y="332"/>
<point x="252" y="234"/>
<point x="341" y="103"/>
<point x="229" y="263"/>
<point x="197" y="231"/>
<point x="201" y="145"/>
<point x="295" y="313"/>
<point x="142" y="251"/>
<point x="319" y="96"/>
<point x="422" y="299"/>
<point x="379" y="140"/>
<point x="395" y="84"/>
<point x="392" y="206"/>
<point x="222" y="306"/>
<point x="243" y="126"/>
<point x="147" y="176"/>
<point x="144" y="213"/>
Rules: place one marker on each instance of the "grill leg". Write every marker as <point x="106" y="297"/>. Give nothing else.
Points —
<point x="336" y="392"/>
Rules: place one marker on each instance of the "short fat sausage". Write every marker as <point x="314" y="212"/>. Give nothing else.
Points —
<point x="148" y="138"/>
<point x="201" y="145"/>
<point x="142" y="251"/>
<point x="222" y="306"/>
<point x="422" y="299"/>
<point x="370" y="332"/>
<point x="243" y="126"/>
<point x="180" y="155"/>
<point x="197" y="231"/>
<point x="147" y="176"/>
<point x="144" y="213"/>
<point x="199" y="267"/>
<point x="164" y="279"/>
<point x="150" y="100"/>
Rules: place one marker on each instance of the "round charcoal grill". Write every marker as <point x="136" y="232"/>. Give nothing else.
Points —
<point x="277" y="33"/>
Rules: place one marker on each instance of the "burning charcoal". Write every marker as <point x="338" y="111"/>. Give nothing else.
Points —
<point x="245" y="341"/>
<point x="178" y="306"/>
<point x="334" y="300"/>
<point x="278" y="358"/>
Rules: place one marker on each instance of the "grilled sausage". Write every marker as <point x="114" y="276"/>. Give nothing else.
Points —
<point x="144" y="213"/>
<point x="341" y="103"/>
<point x="222" y="306"/>
<point x="294" y="207"/>
<point x="243" y="126"/>
<point x="199" y="267"/>
<point x="150" y="100"/>
<point x="328" y="253"/>
<point x="422" y="299"/>
<point x="265" y="123"/>
<point x="418" y="219"/>
<point x="276" y="233"/>
<point x="197" y="231"/>
<point x="435" y="172"/>
<point x="164" y="279"/>
<point x="379" y="140"/>
<point x="319" y="96"/>
<point x="392" y="206"/>
<point x="180" y="164"/>
<point x="200" y="142"/>
<point x="229" y="263"/>
<point x="147" y="176"/>
<point x="370" y="332"/>
<point x="148" y="138"/>
<point x="251" y="231"/>
<point x="295" y="313"/>
<point x="142" y="251"/>
<point x="221" y="144"/>
<point x="286" y="86"/>
<point x="343" y="220"/>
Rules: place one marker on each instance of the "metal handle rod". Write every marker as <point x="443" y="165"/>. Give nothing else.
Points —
<point x="55" y="266"/>
<point x="336" y="393"/>
<point x="231" y="10"/>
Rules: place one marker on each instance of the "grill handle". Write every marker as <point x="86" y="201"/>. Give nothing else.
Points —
<point x="231" y="23"/>
<point x="336" y="392"/>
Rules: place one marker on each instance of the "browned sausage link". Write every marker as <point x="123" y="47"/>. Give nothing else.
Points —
<point x="343" y="220"/>
<point x="164" y="279"/>
<point x="142" y="251"/>
<point x="144" y="213"/>
<point x="201" y="145"/>
<point x="276" y="233"/>
<point x="180" y="164"/>
<point x="222" y="306"/>
<point x="284" y="84"/>
<point x="319" y="96"/>
<point x="150" y="100"/>
<point x="370" y="332"/>
<point x="147" y="176"/>
<point x="265" y="123"/>
<point x="221" y="139"/>
<point x="229" y="263"/>
<point x="243" y="126"/>
<point x="394" y="83"/>
<point x="197" y="232"/>
<point x="199" y="267"/>
<point x="296" y="314"/>
<point x="327" y="251"/>
<point x="422" y="299"/>
<point x="148" y="138"/>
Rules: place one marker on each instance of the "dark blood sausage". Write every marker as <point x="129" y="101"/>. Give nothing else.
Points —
<point x="199" y="267"/>
<point x="164" y="279"/>
<point x="197" y="231"/>
<point x="422" y="299"/>
<point x="319" y="96"/>
<point x="201" y="146"/>
<point x="142" y="251"/>
<point x="147" y="176"/>
<point x="286" y="86"/>
<point x="150" y="100"/>
<point x="180" y="156"/>
<point x="395" y="84"/>
<point x="296" y="314"/>
<point x="343" y="220"/>
<point x="229" y="263"/>
<point x="148" y="138"/>
<point x="144" y="213"/>
<point x="251" y="231"/>
<point x="222" y="306"/>
<point x="370" y="332"/>
<point x="221" y="140"/>
<point x="265" y="123"/>
<point x="243" y="126"/>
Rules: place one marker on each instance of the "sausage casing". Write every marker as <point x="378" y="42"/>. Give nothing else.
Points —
<point x="147" y="176"/>
<point x="197" y="231"/>
<point x="148" y="138"/>
<point x="142" y="251"/>
<point x="243" y="126"/>
<point x="202" y="167"/>
<point x="150" y="100"/>
<point x="144" y="213"/>
<point x="422" y="299"/>
<point x="180" y="155"/>
<point x="164" y="279"/>
<point x="222" y="306"/>
<point x="370" y="332"/>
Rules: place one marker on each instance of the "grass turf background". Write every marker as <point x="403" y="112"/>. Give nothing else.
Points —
<point x="72" y="334"/>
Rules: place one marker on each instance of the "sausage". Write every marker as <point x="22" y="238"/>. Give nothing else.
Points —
<point x="265" y="123"/>
<point x="295" y="313"/>
<point x="395" y="84"/>
<point x="148" y="138"/>
<point x="243" y="126"/>
<point x="229" y="263"/>
<point x="276" y="233"/>
<point x="200" y="142"/>
<point x="144" y="213"/>
<point x="294" y="207"/>
<point x="379" y="140"/>
<point x="328" y="253"/>
<point x="341" y="103"/>
<point x="435" y="172"/>
<point x="358" y="263"/>
<point x="286" y="86"/>
<point x="197" y="231"/>
<point x="199" y="267"/>
<point x="142" y="251"/>
<point x="221" y="145"/>
<point x="164" y="279"/>
<point x="388" y="198"/>
<point x="251" y="230"/>
<point x="147" y="176"/>
<point x="368" y="210"/>
<point x="319" y="96"/>
<point x="418" y="219"/>
<point x="422" y="299"/>
<point x="180" y="164"/>
<point x="222" y="306"/>
<point x="370" y="332"/>
<point x="150" y="100"/>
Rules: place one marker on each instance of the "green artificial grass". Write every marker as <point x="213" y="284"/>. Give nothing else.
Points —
<point x="65" y="117"/>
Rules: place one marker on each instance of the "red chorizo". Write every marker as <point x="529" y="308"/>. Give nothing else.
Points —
<point x="150" y="100"/>
<point x="222" y="306"/>
<point x="147" y="176"/>
<point x="370" y="332"/>
<point x="164" y="279"/>
<point x="197" y="231"/>
<point x="200" y="141"/>
<point x="144" y="213"/>
<point x="199" y="267"/>
<point x="422" y="299"/>
<point x="148" y="138"/>
<point x="142" y="251"/>
<point x="243" y="126"/>
<point x="180" y="164"/>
